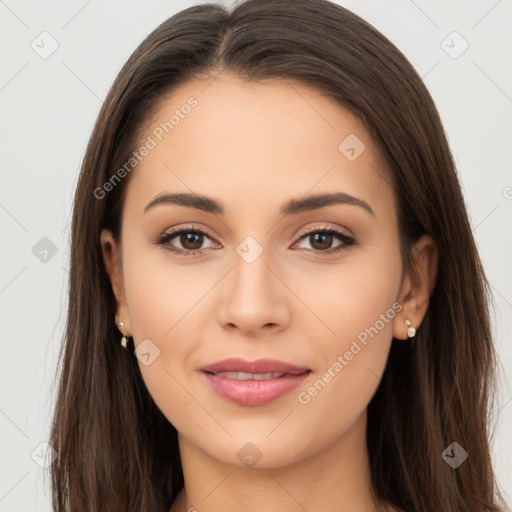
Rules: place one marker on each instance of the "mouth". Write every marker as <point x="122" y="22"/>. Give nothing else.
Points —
<point x="252" y="376"/>
<point x="253" y="383"/>
<point x="260" y="366"/>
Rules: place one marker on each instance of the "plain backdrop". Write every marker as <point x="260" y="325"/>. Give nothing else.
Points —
<point x="58" y="60"/>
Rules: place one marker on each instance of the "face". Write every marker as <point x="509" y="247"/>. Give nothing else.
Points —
<point x="258" y="270"/>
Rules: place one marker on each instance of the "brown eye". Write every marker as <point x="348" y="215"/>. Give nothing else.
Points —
<point x="185" y="241"/>
<point x="191" y="240"/>
<point x="321" y="240"/>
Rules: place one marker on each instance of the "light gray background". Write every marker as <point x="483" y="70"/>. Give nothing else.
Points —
<point x="48" y="110"/>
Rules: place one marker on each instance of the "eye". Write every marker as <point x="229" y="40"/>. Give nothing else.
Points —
<point x="191" y="239"/>
<point x="321" y="239"/>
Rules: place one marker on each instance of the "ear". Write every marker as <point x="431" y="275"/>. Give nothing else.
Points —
<point x="417" y="286"/>
<point x="111" y="250"/>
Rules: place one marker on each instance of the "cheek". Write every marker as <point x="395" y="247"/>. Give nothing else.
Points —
<point x="352" y="296"/>
<point x="361" y="312"/>
<point x="167" y="306"/>
<point x="160" y="294"/>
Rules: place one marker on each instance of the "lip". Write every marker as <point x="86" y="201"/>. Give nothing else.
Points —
<point x="254" y="392"/>
<point x="237" y="364"/>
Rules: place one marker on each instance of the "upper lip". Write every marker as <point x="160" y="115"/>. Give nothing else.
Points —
<point x="236" y="364"/>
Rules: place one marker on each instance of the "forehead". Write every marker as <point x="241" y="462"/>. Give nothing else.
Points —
<point x="254" y="142"/>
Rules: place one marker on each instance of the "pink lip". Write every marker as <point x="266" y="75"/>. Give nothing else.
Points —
<point x="254" y="392"/>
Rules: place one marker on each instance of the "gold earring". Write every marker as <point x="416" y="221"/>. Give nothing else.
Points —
<point x="120" y="326"/>
<point x="411" y="331"/>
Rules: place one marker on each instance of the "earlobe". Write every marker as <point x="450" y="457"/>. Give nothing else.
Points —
<point x="417" y="286"/>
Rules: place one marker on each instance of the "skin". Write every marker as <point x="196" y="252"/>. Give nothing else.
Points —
<point x="253" y="146"/>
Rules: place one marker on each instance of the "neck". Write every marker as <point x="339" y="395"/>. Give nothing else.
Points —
<point x="336" y="478"/>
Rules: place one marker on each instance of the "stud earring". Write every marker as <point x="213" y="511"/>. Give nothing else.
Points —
<point x="120" y="326"/>
<point x="411" y="331"/>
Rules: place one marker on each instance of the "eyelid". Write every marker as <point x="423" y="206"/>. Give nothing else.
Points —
<point x="325" y="227"/>
<point x="302" y="232"/>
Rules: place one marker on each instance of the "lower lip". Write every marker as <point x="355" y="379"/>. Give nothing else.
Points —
<point x="254" y="392"/>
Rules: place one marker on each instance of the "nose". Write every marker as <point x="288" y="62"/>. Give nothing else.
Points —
<point x="254" y="299"/>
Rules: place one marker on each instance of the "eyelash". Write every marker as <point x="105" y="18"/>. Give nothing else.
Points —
<point x="167" y="237"/>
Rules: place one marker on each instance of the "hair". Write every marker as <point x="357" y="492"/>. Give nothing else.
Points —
<point x="117" y="451"/>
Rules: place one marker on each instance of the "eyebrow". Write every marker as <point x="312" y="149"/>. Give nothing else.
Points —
<point x="291" y="207"/>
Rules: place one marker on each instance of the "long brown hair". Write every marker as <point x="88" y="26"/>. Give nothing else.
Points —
<point x="117" y="451"/>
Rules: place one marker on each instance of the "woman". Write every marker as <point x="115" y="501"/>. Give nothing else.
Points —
<point x="276" y="301"/>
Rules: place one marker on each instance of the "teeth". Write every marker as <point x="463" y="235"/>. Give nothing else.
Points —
<point x="249" y="376"/>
